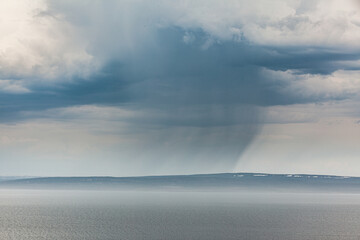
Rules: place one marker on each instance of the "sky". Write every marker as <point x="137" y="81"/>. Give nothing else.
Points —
<point x="135" y="87"/>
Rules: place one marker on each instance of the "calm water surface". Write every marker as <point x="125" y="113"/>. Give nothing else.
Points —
<point x="37" y="214"/>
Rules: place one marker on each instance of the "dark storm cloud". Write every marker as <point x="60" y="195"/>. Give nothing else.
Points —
<point x="178" y="77"/>
<point x="105" y="87"/>
<point x="172" y="86"/>
<point x="199" y="102"/>
<point x="310" y="60"/>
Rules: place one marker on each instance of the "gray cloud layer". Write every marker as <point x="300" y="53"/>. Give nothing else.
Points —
<point x="199" y="90"/>
<point x="173" y="74"/>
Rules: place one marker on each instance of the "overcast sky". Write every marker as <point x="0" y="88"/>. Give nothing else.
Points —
<point x="135" y="87"/>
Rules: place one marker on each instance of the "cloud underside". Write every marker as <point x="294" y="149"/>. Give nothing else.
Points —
<point x="182" y="80"/>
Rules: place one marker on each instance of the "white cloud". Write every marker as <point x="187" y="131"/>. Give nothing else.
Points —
<point x="38" y="46"/>
<point x="323" y="23"/>
<point x="317" y="87"/>
<point x="122" y="27"/>
<point x="295" y="22"/>
<point x="55" y="40"/>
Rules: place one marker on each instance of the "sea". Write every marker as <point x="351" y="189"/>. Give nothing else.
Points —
<point x="197" y="215"/>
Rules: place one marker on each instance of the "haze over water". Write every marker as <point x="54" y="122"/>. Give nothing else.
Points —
<point x="43" y="214"/>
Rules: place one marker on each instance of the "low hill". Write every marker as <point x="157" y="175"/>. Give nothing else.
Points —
<point x="205" y="182"/>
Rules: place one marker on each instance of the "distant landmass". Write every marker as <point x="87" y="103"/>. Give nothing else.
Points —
<point x="7" y="178"/>
<point x="205" y="182"/>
